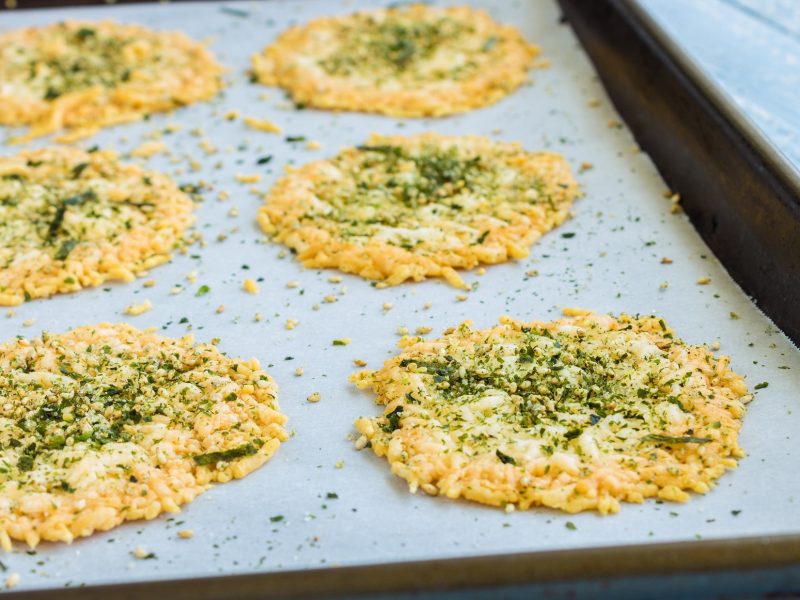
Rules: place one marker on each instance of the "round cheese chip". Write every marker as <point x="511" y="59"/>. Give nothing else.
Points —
<point x="406" y="208"/>
<point x="411" y="61"/>
<point x="86" y="75"/>
<point x="575" y="414"/>
<point x="71" y="219"/>
<point x="107" y="423"/>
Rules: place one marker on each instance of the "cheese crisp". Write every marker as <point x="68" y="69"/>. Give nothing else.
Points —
<point x="407" y="208"/>
<point x="71" y="219"/>
<point x="107" y="423"/>
<point x="87" y="75"/>
<point x="575" y="414"/>
<point x="412" y="61"/>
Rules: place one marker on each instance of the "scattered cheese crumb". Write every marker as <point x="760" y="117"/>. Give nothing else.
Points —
<point x="185" y="534"/>
<point x="252" y="178"/>
<point x="481" y="271"/>
<point x="335" y="279"/>
<point x="585" y="166"/>
<point x="423" y="330"/>
<point x="292" y="284"/>
<point x="291" y="323"/>
<point x="191" y="276"/>
<point x="257" y="317"/>
<point x="313" y="145"/>
<point x="666" y="261"/>
<point x="594" y="102"/>
<point x="262" y="125"/>
<point x="663" y="285"/>
<point x="676" y="203"/>
<point x="427" y="305"/>
<point x="461" y="297"/>
<point x="220" y="309"/>
<point x="359" y="362"/>
<point x="149" y="149"/>
<point x="330" y="298"/>
<point x="140" y="552"/>
<point x="231" y="115"/>
<point x="138" y="309"/>
<point x="12" y="581"/>
<point x="402" y="330"/>
<point x="342" y="342"/>
<point x="29" y="322"/>
<point x="387" y="306"/>
<point x="233" y="212"/>
<point x="207" y="147"/>
<point x="315" y="397"/>
<point x="298" y="371"/>
<point x="149" y="283"/>
<point x="175" y="290"/>
<point x="250" y="286"/>
<point x="704" y="281"/>
<point x="339" y="464"/>
<point x="715" y="345"/>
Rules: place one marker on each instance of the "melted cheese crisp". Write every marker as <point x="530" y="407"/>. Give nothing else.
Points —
<point x="575" y="414"/>
<point x="71" y="219"/>
<point x="87" y="75"/>
<point x="410" y="61"/>
<point x="406" y="208"/>
<point x="108" y="423"/>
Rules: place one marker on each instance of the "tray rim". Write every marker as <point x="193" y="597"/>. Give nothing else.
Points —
<point x="750" y="554"/>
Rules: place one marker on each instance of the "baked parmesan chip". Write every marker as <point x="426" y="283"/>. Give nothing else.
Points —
<point x="71" y="219"/>
<point x="87" y="75"/>
<point x="411" y="61"/>
<point x="576" y="414"/>
<point x="406" y="208"/>
<point x="107" y="423"/>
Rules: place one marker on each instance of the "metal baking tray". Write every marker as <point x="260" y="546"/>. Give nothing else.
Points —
<point x="321" y="519"/>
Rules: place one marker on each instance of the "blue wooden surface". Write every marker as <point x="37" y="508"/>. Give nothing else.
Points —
<point x="751" y="48"/>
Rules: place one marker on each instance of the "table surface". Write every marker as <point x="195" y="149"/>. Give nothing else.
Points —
<point x="751" y="48"/>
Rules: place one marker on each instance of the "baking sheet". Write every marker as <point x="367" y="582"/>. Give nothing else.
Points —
<point x="285" y="515"/>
